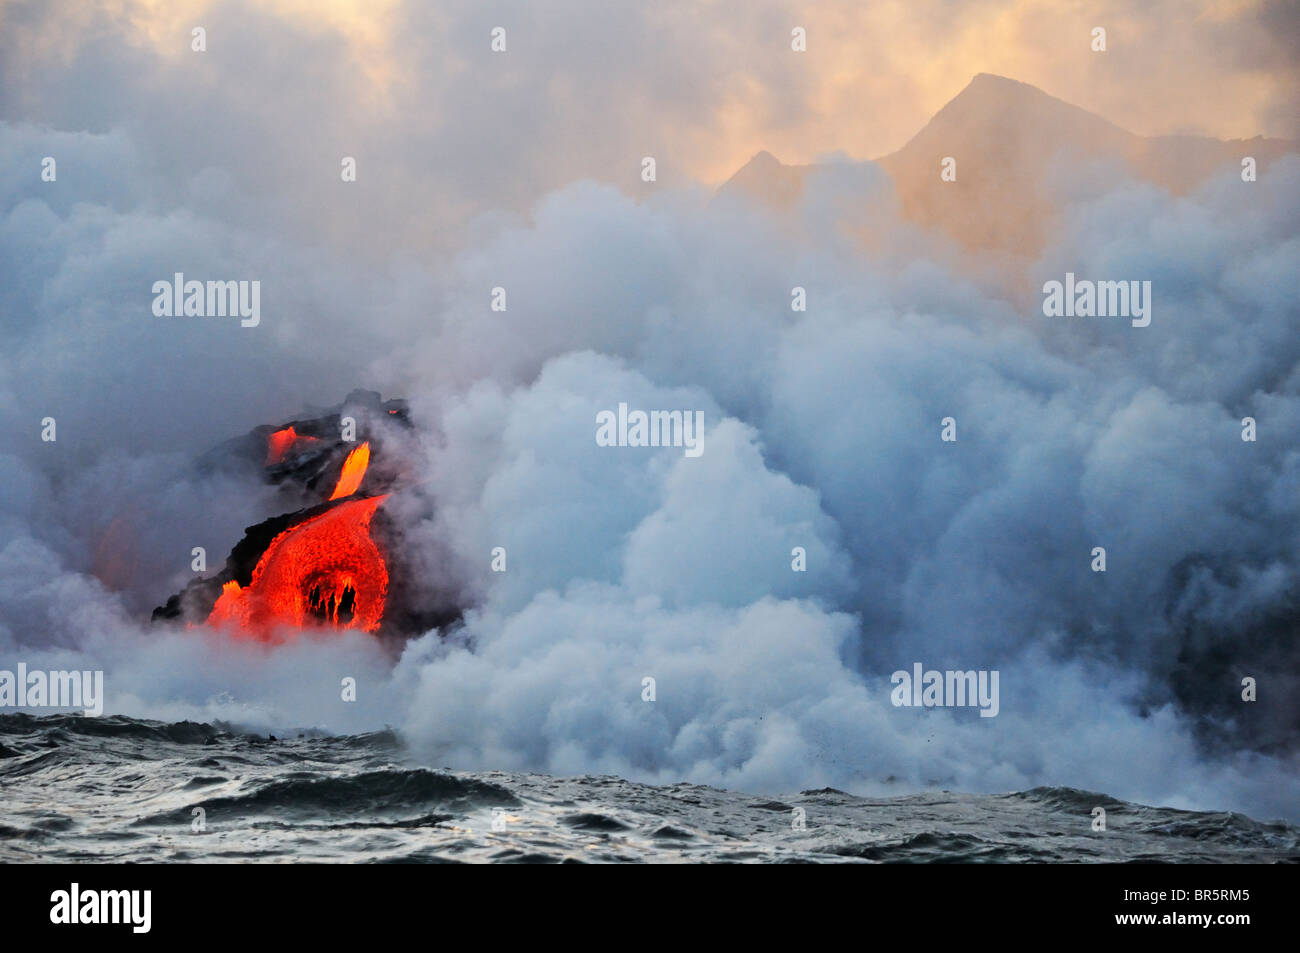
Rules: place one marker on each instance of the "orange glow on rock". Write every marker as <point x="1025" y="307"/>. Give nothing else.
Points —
<point x="325" y="570"/>
<point x="354" y="471"/>
<point x="281" y="443"/>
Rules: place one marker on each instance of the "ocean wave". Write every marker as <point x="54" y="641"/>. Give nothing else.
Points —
<point x="120" y="789"/>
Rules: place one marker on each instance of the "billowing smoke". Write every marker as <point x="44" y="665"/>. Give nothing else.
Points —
<point x="621" y="564"/>
<point x="826" y="435"/>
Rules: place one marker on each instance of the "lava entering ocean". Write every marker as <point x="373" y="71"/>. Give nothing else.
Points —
<point x="327" y="569"/>
<point x="329" y="563"/>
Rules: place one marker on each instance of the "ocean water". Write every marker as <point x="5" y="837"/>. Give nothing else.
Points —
<point x="118" y="789"/>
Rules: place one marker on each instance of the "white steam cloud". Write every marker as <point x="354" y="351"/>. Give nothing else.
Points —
<point x="822" y="432"/>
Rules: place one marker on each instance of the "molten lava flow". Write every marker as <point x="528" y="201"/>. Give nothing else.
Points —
<point x="327" y="569"/>
<point x="354" y="471"/>
<point x="282" y="442"/>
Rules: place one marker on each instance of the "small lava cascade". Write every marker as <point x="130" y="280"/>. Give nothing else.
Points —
<point x="333" y="562"/>
<point x="354" y="471"/>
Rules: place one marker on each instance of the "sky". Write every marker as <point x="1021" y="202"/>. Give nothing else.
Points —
<point x="587" y="89"/>
<point x="522" y="170"/>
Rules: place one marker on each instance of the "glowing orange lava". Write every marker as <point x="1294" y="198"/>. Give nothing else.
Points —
<point x="325" y="570"/>
<point x="282" y="442"/>
<point x="354" y="471"/>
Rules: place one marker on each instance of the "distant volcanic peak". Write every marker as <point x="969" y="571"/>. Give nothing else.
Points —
<point x="766" y="178"/>
<point x="1004" y="87"/>
<point x="988" y="92"/>
<point x="1007" y="141"/>
<point x="996" y="79"/>
<point x="996" y="115"/>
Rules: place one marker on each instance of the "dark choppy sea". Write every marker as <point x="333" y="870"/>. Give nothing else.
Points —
<point x="118" y="789"/>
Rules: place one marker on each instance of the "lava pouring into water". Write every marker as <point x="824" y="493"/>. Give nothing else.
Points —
<point x="324" y="563"/>
<point x="326" y="569"/>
